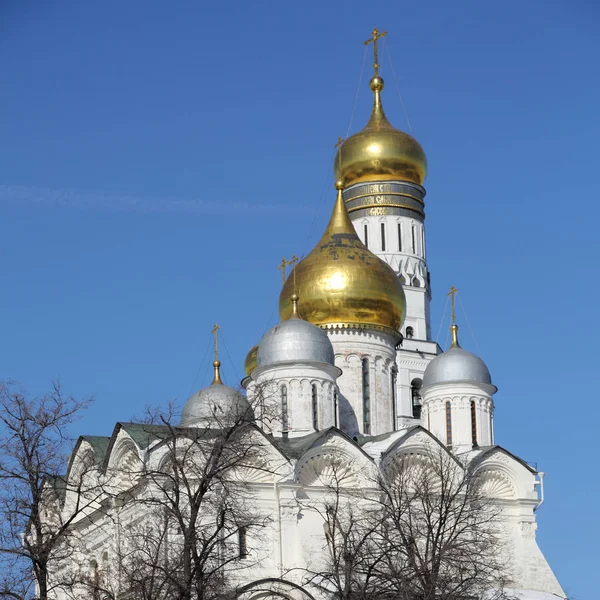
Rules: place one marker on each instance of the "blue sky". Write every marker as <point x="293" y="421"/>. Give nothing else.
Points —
<point x="159" y="159"/>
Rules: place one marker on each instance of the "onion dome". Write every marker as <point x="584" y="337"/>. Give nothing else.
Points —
<point x="250" y="362"/>
<point x="456" y="366"/>
<point x="215" y="406"/>
<point x="342" y="283"/>
<point x="295" y="340"/>
<point x="380" y="151"/>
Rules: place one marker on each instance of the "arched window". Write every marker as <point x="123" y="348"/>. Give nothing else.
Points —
<point x="335" y="408"/>
<point x="284" y="409"/>
<point x="366" y="397"/>
<point x="448" y="424"/>
<point x="366" y="232"/>
<point x="473" y="424"/>
<point x="410" y="332"/>
<point x="383" y="237"/>
<point x="415" y="393"/>
<point x="95" y="579"/>
<point x="242" y="542"/>
<point x="394" y="380"/>
<point x="315" y="408"/>
<point x="399" y="237"/>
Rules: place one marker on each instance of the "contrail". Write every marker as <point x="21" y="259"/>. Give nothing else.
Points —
<point x="76" y="199"/>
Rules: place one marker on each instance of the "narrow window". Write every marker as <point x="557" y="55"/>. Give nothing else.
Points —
<point x="315" y="408"/>
<point x="448" y="424"/>
<point x="335" y="408"/>
<point x="242" y="543"/>
<point x="423" y="242"/>
<point x="415" y="392"/>
<point x="366" y="397"/>
<point x="383" y="237"/>
<point x="473" y="424"/>
<point x="284" y="409"/>
<point x="366" y="230"/>
<point x="399" y="237"/>
<point x="393" y="382"/>
<point x="410" y="332"/>
<point x="414" y="240"/>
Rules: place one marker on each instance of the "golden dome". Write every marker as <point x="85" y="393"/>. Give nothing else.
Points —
<point x="250" y="362"/>
<point x="342" y="283"/>
<point x="380" y="151"/>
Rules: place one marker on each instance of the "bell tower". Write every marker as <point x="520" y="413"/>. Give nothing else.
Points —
<point x="383" y="170"/>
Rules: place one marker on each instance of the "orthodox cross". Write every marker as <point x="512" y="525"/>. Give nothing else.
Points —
<point x="286" y="263"/>
<point x="215" y="332"/>
<point x="452" y="294"/>
<point x="376" y="36"/>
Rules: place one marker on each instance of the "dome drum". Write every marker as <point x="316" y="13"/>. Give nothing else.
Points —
<point x="389" y="198"/>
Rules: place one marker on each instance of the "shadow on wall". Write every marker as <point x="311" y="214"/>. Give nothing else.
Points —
<point x="348" y="420"/>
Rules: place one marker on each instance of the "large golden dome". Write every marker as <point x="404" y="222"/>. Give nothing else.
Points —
<point x="342" y="283"/>
<point x="380" y="151"/>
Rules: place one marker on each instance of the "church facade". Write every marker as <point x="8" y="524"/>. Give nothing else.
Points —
<point x="347" y="384"/>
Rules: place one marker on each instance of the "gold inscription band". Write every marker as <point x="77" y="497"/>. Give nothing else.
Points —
<point x="379" y="209"/>
<point x="387" y="193"/>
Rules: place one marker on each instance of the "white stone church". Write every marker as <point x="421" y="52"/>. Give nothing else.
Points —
<point x="349" y="378"/>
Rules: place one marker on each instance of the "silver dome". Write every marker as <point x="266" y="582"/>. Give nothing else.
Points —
<point x="456" y="365"/>
<point x="295" y="340"/>
<point x="215" y="406"/>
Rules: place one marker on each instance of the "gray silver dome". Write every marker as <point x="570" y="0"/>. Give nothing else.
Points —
<point x="456" y="365"/>
<point x="295" y="340"/>
<point x="215" y="406"/>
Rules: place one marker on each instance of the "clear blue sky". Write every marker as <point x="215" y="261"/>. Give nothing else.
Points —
<point x="159" y="158"/>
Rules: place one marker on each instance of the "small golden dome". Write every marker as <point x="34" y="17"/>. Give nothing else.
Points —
<point x="380" y="151"/>
<point x="250" y="362"/>
<point x="342" y="283"/>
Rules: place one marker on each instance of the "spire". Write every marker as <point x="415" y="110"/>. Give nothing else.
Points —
<point x="295" y="314"/>
<point x="454" y="326"/>
<point x="340" y="219"/>
<point x="217" y="362"/>
<point x="378" y="119"/>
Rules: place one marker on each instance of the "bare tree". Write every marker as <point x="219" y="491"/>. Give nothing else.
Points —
<point x="33" y="452"/>
<point x="189" y="519"/>
<point x="423" y="531"/>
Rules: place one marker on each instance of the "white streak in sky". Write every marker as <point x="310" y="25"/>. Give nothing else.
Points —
<point x="75" y="199"/>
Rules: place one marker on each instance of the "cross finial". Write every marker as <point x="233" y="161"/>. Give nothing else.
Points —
<point x="452" y="294"/>
<point x="215" y="332"/>
<point x="376" y="36"/>
<point x="286" y="263"/>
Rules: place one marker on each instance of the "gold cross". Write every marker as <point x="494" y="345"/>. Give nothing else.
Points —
<point x="376" y="36"/>
<point x="215" y="332"/>
<point x="452" y="293"/>
<point x="286" y="263"/>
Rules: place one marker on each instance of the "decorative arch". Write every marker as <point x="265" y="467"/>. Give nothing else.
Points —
<point x="273" y="589"/>
<point x="333" y="459"/>
<point x="496" y="484"/>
